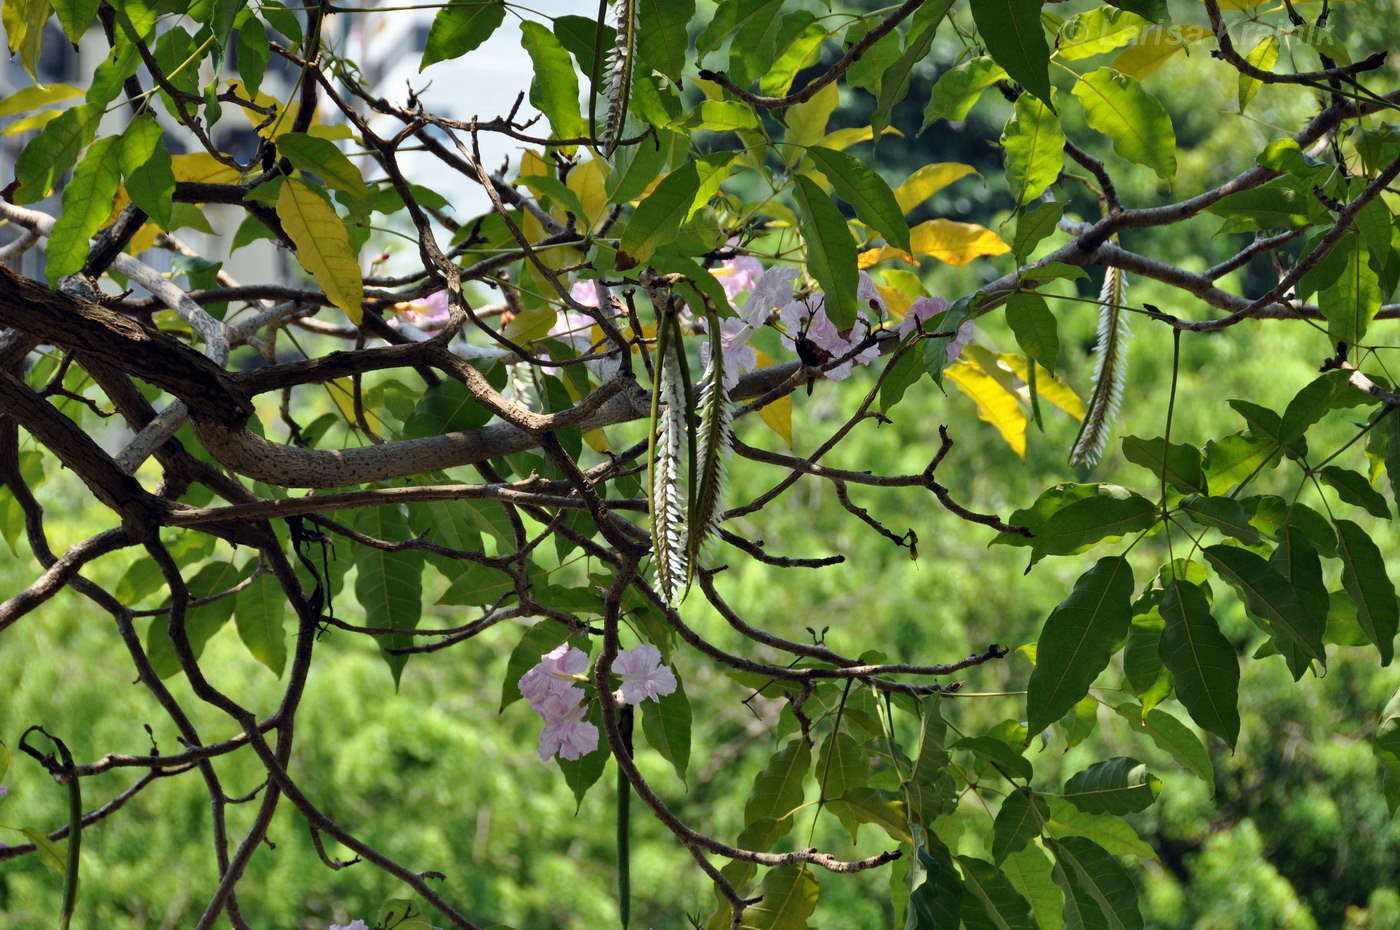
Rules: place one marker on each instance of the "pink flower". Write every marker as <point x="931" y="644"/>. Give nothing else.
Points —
<point x="771" y="291"/>
<point x="806" y="319"/>
<point x="352" y="925"/>
<point x="739" y="356"/>
<point x="431" y="312"/>
<point x="925" y="309"/>
<point x="565" y="731"/>
<point x="643" y="676"/>
<point x="556" y="673"/>
<point x="738" y="274"/>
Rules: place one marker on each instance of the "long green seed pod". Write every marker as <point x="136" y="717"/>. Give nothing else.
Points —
<point x="714" y="447"/>
<point x="666" y="455"/>
<point x="1110" y="371"/>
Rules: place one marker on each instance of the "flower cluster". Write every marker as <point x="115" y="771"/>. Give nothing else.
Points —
<point x="552" y="689"/>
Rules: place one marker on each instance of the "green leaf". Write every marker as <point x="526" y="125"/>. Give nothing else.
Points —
<point x="76" y="16"/>
<point x="958" y="89"/>
<point x="1031" y="874"/>
<point x="1135" y="121"/>
<point x="201" y="622"/>
<point x="1173" y="737"/>
<point x="445" y="407"/>
<point x="1098" y="890"/>
<point x="87" y="202"/>
<point x="1263" y="56"/>
<point x="1021" y="818"/>
<point x="24" y="22"/>
<point x="659" y="216"/>
<point x="902" y="373"/>
<point x="885" y="809"/>
<point x="831" y="252"/>
<point x="554" y="90"/>
<point x="661" y="34"/>
<point x="1111" y="832"/>
<point x="1223" y="513"/>
<point x="388" y="585"/>
<point x="476" y="585"/>
<point x="894" y="80"/>
<point x="258" y="613"/>
<point x="1268" y="596"/>
<point x="538" y="641"/>
<point x="1034" y="225"/>
<point x="323" y="245"/>
<point x="666" y="723"/>
<point x="801" y="51"/>
<point x="634" y="167"/>
<point x="758" y="25"/>
<point x="1034" y="146"/>
<point x="1015" y="39"/>
<point x="778" y="790"/>
<point x="583" y="773"/>
<point x="1330" y="391"/>
<point x="998" y="752"/>
<point x="1035" y="328"/>
<point x="50" y="154"/>
<point x="321" y="157"/>
<point x="1355" y="489"/>
<point x="1077" y="640"/>
<point x="1297" y="562"/>
<point x="841" y="764"/>
<point x="1116" y="786"/>
<point x="1097" y="31"/>
<point x="989" y="901"/>
<point x="1351" y="301"/>
<point x="1365" y="578"/>
<point x="1182" y="462"/>
<point x="459" y="29"/>
<point x="1111" y="514"/>
<point x="253" y="53"/>
<point x="1231" y="459"/>
<point x="150" y="179"/>
<point x="1391" y="426"/>
<point x="789" y="898"/>
<point x="54" y="856"/>
<point x="1205" y="670"/>
<point x="1050" y="501"/>
<point x="864" y="190"/>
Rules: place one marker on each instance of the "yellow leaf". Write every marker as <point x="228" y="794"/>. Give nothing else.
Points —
<point x="1047" y="385"/>
<point x="36" y="121"/>
<point x="203" y="167"/>
<point x="334" y="133"/>
<point x="323" y="246"/>
<point x="777" y="416"/>
<point x="586" y="181"/>
<point x="532" y="164"/>
<point x="534" y="323"/>
<point x="1154" y="46"/>
<point x="927" y="181"/>
<point x="342" y="392"/>
<point x="806" y="122"/>
<point x="995" y="404"/>
<point x="951" y="242"/>
<point x="597" y="441"/>
<point x="145" y="238"/>
<point x="896" y="300"/>
<point x="845" y="138"/>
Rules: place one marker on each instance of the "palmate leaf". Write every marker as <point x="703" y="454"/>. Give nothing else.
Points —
<point x="1077" y="640"/>
<point x="1203" y="664"/>
<point x="1098" y="890"/>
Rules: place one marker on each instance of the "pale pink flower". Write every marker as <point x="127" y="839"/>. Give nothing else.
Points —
<point x="738" y="274"/>
<point x="806" y="318"/>
<point x="431" y="312"/>
<point x="352" y="925"/>
<point x="643" y="676"/>
<point x="565" y="731"/>
<point x="555" y="673"/>
<point x="925" y="309"/>
<point x="771" y="291"/>
<point x="739" y="356"/>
